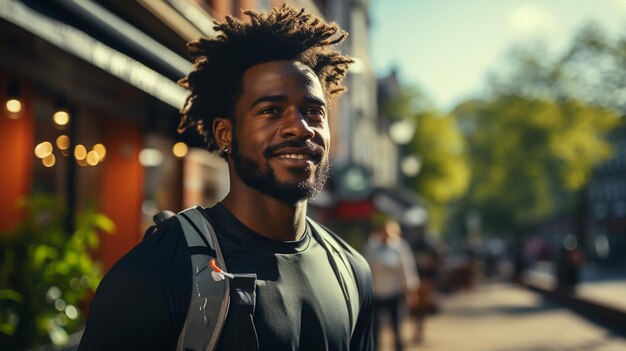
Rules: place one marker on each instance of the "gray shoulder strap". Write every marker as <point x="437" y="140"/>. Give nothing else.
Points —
<point x="210" y="298"/>
<point x="342" y="269"/>
<point x="198" y="231"/>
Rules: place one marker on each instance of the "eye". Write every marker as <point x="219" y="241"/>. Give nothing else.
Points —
<point x="316" y="113"/>
<point x="270" y="110"/>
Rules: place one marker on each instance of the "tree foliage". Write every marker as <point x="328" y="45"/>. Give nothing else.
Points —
<point x="439" y="145"/>
<point x="590" y="71"/>
<point x="536" y="139"/>
<point x="525" y="154"/>
<point x="46" y="273"/>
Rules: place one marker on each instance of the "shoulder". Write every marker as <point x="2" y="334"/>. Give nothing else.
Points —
<point x="167" y="224"/>
<point x="405" y="246"/>
<point x="148" y="284"/>
<point x="359" y="264"/>
<point x="160" y="261"/>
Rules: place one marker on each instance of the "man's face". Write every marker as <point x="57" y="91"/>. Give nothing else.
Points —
<point x="281" y="138"/>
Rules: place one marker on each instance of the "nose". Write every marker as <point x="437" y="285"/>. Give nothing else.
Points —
<point x="295" y="126"/>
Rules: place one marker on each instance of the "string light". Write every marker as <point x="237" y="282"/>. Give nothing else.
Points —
<point x="63" y="142"/>
<point x="180" y="149"/>
<point x="80" y="152"/>
<point x="61" y="118"/>
<point x="48" y="161"/>
<point x="43" y="149"/>
<point x="13" y="104"/>
<point x="92" y="158"/>
<point x="101" y="150"/>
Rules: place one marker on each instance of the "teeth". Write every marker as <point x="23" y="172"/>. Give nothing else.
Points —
<point x="295" y="156"/>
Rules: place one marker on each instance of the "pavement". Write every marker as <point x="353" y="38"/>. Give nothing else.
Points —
<point x="607" y="288"/>
<point x="505" y="317"/>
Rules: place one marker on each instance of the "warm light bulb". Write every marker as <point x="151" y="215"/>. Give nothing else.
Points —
<point x="48" y="161"/>
<point x="61" y="118"/>
<point x="43" y="149"/>
<point x="92" y="158"/>
<point x="101" y="150"/>
<point x="180" y="149"/>
<point x="80" y="152"/>
<point x="14" y="105"/>
<point x="63" y="142"/>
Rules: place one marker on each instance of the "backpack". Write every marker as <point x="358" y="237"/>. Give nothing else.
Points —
<point x="212" y="284"/>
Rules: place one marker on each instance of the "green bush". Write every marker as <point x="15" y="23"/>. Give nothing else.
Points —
<point x="47" y="273"/>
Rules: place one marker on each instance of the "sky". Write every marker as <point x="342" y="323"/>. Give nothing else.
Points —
<point x="448" y="47"/>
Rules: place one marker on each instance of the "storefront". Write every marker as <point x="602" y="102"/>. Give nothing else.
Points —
<point x="89" y="115"/>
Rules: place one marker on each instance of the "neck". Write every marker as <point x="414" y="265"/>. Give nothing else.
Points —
<point x="266" y="215"/>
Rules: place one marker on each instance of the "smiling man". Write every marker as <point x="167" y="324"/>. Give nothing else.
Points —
<point x="259" y="95"/>
<point x="283" y="119"/>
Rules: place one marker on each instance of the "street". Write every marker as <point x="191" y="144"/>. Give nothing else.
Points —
<point x="502" y="317"/>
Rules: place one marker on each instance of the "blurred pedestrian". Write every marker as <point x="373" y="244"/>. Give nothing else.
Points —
<point x="394" y="274"/>
<point x="252" y="272"/>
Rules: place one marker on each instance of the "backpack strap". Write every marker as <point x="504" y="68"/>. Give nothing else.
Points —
<point x="342" y="268"/>
<point x="210" y="297"/>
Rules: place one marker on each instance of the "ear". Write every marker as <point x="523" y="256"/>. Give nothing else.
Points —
<point x="223" y="132"/>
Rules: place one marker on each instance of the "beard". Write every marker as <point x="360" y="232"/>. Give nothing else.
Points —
<point x="251" y="173"/>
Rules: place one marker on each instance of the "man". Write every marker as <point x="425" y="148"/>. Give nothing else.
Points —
<point x="259" y="95"/>
<point x="395" y="275"/>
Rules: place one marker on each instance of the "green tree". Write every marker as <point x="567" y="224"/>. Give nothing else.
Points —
<point x="527" y="155"/>
<point x="590" y="70"/>
<point x="536" y="139"/>
<point x="439" y="145"/>
<point x="46" y="273"/>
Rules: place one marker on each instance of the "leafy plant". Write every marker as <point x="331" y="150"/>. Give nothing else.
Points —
<point x="47" y="273"/>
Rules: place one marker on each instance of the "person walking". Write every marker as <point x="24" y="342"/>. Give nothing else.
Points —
<point x="259" y="95"/>
<point x="394" y="274"/>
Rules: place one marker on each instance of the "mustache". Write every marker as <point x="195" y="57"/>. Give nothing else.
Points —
<point x="308" y="144"/>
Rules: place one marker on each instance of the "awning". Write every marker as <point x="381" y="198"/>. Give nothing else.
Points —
<point x="95" y="52"/>
<point x="400" y="203"/>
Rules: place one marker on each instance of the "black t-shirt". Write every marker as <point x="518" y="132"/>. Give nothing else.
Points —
<point x="143" y="301"/>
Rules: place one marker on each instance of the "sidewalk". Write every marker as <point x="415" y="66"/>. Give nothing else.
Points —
<point x="599" y="295"/>
<point x="502" y="317"/>
<point x="596" y="287"/>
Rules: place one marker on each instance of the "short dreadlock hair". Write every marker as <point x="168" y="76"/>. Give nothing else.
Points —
<point x="281" y="34"/>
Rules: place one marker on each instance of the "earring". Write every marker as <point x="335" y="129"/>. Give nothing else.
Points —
<point x="225" y="149"/>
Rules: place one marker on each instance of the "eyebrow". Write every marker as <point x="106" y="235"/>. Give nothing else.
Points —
<point x="282" y="98"/>
<point x="269" y="98"/>
<point x="314" y="100"/>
